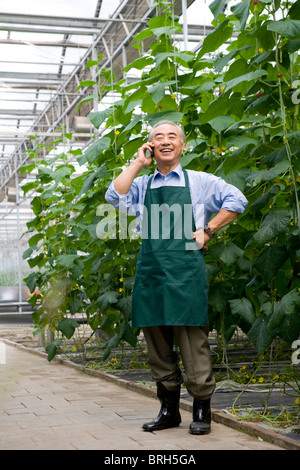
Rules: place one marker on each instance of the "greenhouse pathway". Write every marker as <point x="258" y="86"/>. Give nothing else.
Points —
<point x="51" y="406"/>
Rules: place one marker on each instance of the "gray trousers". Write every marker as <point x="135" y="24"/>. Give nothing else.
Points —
<point x="195" y="355"/>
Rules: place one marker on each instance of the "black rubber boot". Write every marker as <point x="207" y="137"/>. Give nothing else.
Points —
<point x="201" y="417"/>
<point x="168" y="416"/>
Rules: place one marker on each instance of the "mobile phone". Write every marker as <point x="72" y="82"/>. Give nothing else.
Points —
<point x="150" y="153"/>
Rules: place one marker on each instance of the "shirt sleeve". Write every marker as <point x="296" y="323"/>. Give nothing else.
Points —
<point x="221" y="195"/>
<point x="131" y="201"/>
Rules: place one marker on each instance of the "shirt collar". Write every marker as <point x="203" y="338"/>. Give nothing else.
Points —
<point x="176" y="172"/>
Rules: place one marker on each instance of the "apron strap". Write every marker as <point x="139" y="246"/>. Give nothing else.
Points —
<point x="186" y="178"/>
<point x="149" y="182"/>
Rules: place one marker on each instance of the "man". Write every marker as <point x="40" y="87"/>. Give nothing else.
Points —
<point x="170" y="292"/>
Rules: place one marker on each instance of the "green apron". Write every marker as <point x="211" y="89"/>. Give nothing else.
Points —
<point x="171" y="284"/>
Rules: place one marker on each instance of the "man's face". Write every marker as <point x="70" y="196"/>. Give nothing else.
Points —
<point x="167" y="144"/>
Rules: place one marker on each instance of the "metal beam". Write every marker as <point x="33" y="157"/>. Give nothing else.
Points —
<point x="66" y="21"/>
<point x="49" y="30"/>
<point x="14" y="90"/>
<point x="17" y="112"/>
<point x="36" y="63"/>
<point x="39" y="77"/>
<point x="44" y="43"/>
<point x="21" y="135"/>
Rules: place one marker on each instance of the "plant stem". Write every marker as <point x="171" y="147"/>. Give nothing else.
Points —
<point x="249" y="381"/>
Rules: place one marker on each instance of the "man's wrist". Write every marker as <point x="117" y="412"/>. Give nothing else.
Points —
<point x="208" y="231"/>
<point x="137" y="165"/>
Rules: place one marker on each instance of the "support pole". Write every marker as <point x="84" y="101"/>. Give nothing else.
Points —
<point x="94" y="75"/>
<point x="185" y="26"/>
<point x="18" y="239"/>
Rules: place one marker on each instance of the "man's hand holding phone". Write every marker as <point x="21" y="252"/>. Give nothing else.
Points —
<point x="144" y="159"/>
<point x="145" y="154"/>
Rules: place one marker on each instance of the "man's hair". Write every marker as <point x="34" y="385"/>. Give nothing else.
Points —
<point x="171" y="123"/>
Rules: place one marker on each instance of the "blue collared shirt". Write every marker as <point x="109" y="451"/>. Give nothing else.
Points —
<point x="207" y="191"/>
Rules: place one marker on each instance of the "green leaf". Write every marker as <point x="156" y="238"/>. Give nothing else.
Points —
<point x="27" y="168"/>
<point x="170" y="115"/>
<point x="270" y="260"/>
<point x="217" y="7"/>
<point x="124" y="304"/>
<point x="89" y="182"/>
<point x="223" y="61"/>
<point x="249" y="119"/>
<point x="168" y="30"/>
<point x="241" y="140"/>
<point x="288" y="305"/>
<point x="36" y="261"/>
<point x="32" y="281"/>
<point x="86" y="83"/>
<point x="233" y="162"/>
<point x="91" y="97"/>
<point x="158" y="91"/>
<point x="68" y="326"/>
<point x="27" y="253"/>
<point x="33" y="241"/>
<point x="136" y="121"/>
<point x="50" y="231"/>
<point x="42" y="171"/>
<point x="127" y="334"/>
<point x="243" y="308"/>
<point x="228" y="252"/>
<point x="218" y="106"/>
<point x="108" y="323"/>
<point x="186" y="159"/>
<point x="218" y="295"/>
<point x="29" y="186"/>
<point x="139" y="63"/>
<point x="216" y="38"/>
<point x="112" y="343"/>
<point x="237" y="178"/>
<point x="220" y="123"/>
<point x="287" y="28"/>
<point x="206" y="86"/>
<point x="274" y="224"/>
<point x="108" y="298"/>
<point x="263" y="200"/>
<point x="91" y="63"/>
<point x="244" y="78"/>
<point x="66" y="260"/>
<point x="241" y="11"/>
<point x="75" y="152"/>
<point x="132" y="146"/>
<point x="260" y="335"/>
<point x="146" y="33"/>
<point x="96" y="149"/>
<point x="179" y="57"/>
<point x="294" y="11"/>
<point x="60" y="173"/>
<point x="289" y="329"/>
<point x="98" y="118"/>
<point x="267" y="175"/>
<point x="51" y="348"/>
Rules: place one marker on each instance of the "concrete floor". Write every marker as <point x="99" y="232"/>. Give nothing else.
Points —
<point x="53" y="407"/>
